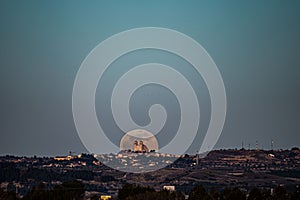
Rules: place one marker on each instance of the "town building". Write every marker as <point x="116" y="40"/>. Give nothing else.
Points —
<point x="140" y="147"/>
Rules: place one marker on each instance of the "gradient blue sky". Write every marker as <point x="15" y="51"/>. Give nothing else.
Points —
<point x="255" y="44"/>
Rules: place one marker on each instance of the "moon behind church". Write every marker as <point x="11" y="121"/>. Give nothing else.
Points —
<point x="140" y="135"/>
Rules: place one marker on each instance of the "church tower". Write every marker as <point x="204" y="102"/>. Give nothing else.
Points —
<point x="135" y="146"/>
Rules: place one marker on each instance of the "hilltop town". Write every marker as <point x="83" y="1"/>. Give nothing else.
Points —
<point x="220" y="168"/>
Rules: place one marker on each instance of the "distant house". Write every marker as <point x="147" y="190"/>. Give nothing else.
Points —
<point x="105" y="197"/>
<point x="271" y="155"/>
<point x="169" y="187"/>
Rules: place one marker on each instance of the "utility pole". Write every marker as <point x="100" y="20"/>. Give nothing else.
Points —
<point x="256" y="145"/>
<point x="272" y="145"/>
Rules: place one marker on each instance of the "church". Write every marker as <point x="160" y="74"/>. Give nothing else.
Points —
<point x="140" y="147"/>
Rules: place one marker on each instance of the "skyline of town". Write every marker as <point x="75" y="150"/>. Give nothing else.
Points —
<point x="219" y="169"/>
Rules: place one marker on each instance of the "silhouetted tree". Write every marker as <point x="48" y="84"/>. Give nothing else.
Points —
<point x="280" y="193"/>
<point x="199" y="193"/>
<point x="130" y="190"/>
<point x="233" y="194"/>
<point x="296" y="194"/>
<point x="214" y="194"/>
<point x="38" y="193"/>
<point x="95" y="197"/>
<point x="70" y="190"/>
<point x="266" y="194"/>
<point x="161" y="195"/>
<point x="255" y="194"/>
<point x="7" y="195"/>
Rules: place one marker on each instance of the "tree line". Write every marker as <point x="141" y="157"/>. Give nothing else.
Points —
<point x="132" y="192"/>
<point x="75" y="190"/>
<point x="69" y="190"/>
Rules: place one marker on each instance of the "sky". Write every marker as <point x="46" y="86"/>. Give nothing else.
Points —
<point x="255" y="45"/>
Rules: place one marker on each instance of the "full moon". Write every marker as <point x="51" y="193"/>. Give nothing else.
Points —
<point x="148" y="139"/>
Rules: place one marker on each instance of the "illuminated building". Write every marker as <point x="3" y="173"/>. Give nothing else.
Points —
<point x="140" y="147"/>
